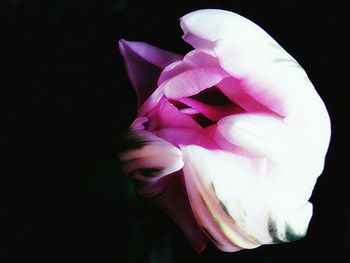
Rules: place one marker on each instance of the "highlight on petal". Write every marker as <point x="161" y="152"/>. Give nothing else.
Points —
<point x="144" y="64"/>
<point x="265" y="71"/>
<point x="193" y="81"/>
<point x="291" y="168"/>
<point x="231" y="200"/>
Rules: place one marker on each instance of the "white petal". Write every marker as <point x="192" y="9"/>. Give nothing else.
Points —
<point x="264" y="71"/>
<point x="231" y="200"/>
<point x="147" y="158"/>
<point x="291" y="168"/>
<point x="228" y="196"/>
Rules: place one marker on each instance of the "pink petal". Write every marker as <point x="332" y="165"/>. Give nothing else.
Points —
<point x="183" y="136"/>
<point x="166" y="115"/>
<point x="187" y="68"/>
<point x="193" y="59"/>
<point x="151" y="102"/>
<point x="138" y="123"/>
<point x="171" y="117"/>
<point x="212" y="112"/>
<point x="172" y="70"/>
<point x="144" y="64"/>
<point x="231" y="87"/>
<point x="193" y="81"/>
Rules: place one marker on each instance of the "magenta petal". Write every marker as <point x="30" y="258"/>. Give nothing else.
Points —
<point x="194" y="59"/>
<point x="183" y="136"/>
<point x="171" y="117"/>
<point x="212" y="112"/>
<point x="193" y="81"/>
<point x="144" y="64"/>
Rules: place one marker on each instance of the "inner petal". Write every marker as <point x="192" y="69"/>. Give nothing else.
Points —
<point x="232" y="89"/>
<point x="193" y="81"/>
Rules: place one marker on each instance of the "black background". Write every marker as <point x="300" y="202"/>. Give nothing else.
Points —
<point x="65" y="97"/>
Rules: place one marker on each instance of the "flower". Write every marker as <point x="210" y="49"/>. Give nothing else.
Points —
<point x="229" y="139"/>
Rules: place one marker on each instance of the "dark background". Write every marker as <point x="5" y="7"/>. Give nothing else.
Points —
<point x="65" y="97"/>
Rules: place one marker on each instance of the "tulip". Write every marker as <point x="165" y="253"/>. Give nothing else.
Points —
<point x="229" y="139"/>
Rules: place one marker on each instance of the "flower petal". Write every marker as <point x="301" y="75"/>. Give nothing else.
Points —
<point x="222" y="191"/>
<point x="193" y="81"/>
<point x="155" y="165"/>
<point x="195" y="58"/>
<point x="212" y="112"/>
<point x="291" y="168"/>
<point x="144" y="64"/>
<point x="183" y="136"/>
<point x="231" y="200"/>
<point x="146" y="158"/>
<point x="231" y="87"/>
<point x="171" y="117"/>
<point x="166" y="115"/>
<point x="266" y="72"/>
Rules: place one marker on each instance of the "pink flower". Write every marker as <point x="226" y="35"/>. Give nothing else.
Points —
<point x="229" y="139"/>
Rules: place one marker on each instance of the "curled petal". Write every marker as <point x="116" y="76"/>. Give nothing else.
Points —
<point x="265" y="71"/>
<point x="187" y="83"/>
<point x="146" y="158"/>
<point x="155" y="165"/>
<point x="193" y="81"/>
<point x="231" y="200"/>
<point x="291" y="168"/>
<point x="144" y="64"/>
<point x="195" y="58"/>
<point x="212" y="112"/>
<point x="171" y="117"/>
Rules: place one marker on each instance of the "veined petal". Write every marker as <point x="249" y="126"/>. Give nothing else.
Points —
<point x="144" y="64"/>
<point x="265" y="71"/>
<point x="225" y="193"/>
<point x="231" y="200"/>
